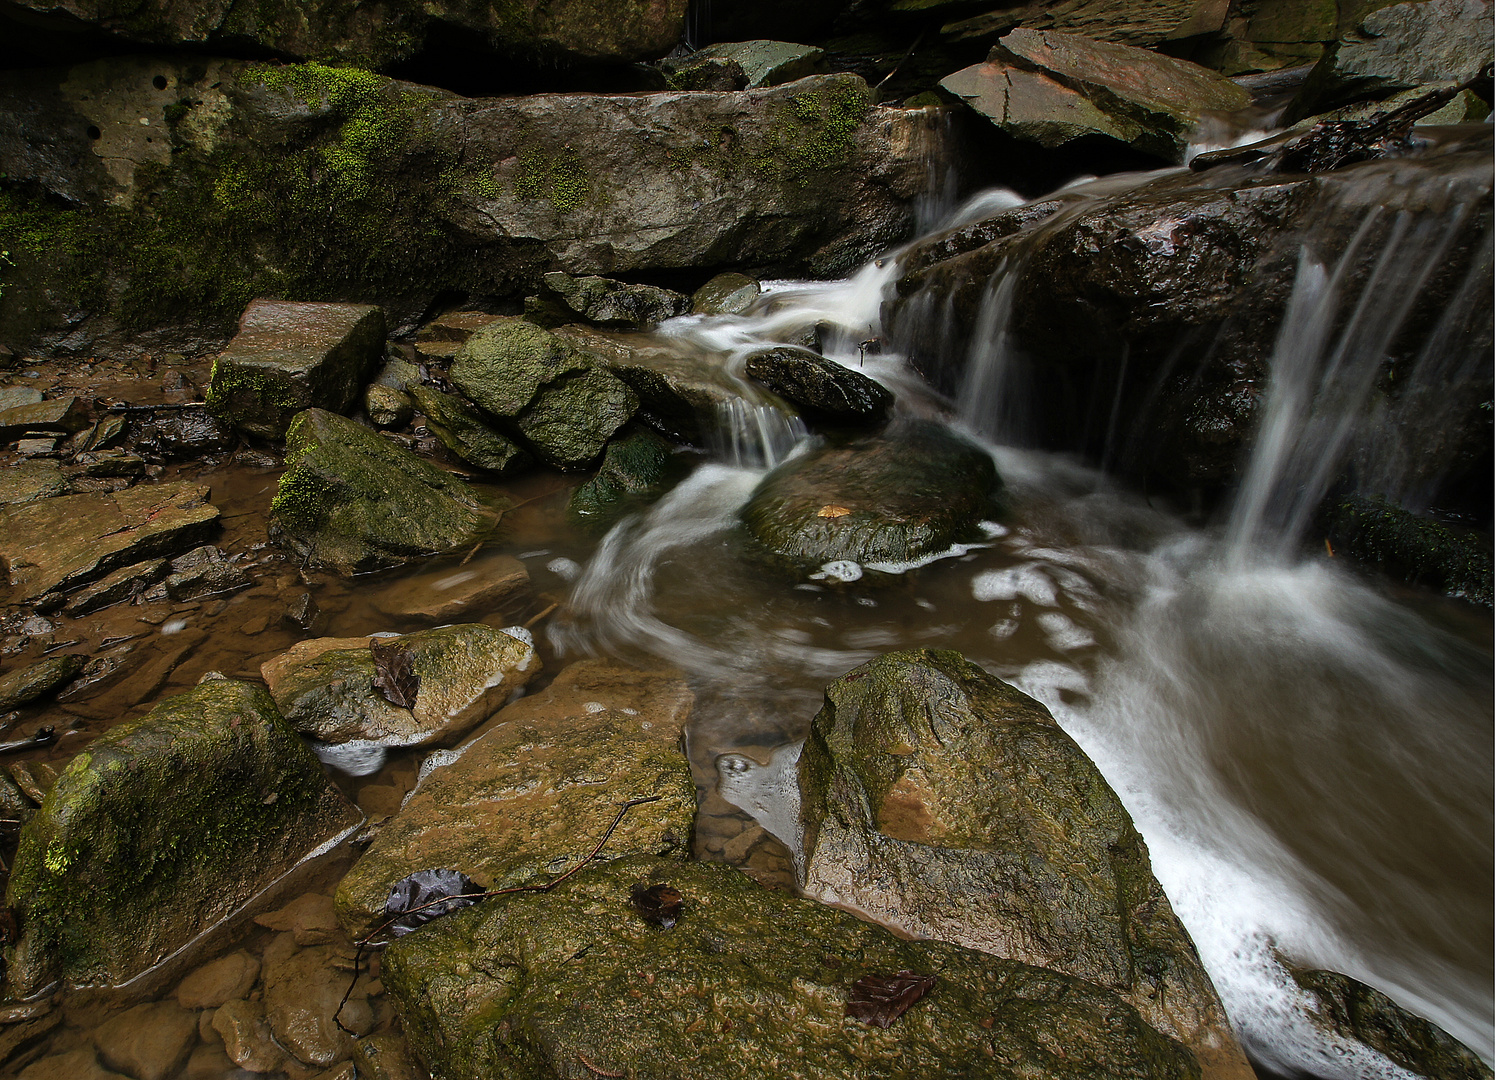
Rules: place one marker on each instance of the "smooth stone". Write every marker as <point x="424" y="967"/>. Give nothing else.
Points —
<point x="444" y="595"/>
<point x="74" y="1065"/>
<point x="27" y="481"/>
<point x="37" y="680"/>
<point x="725" y="294"/>
<point x="822" y="388"/>
<point x="310" y="918"/>
<point x="246" y="1035"/>
<point x="209" y="1062"/>
<point x="461" y="429"/>
<point x="149" y="1042"/>
<point x="226" y="979"/>
<point x="303" y="990"/>
<point x="606" y="302"/>
<point x="61" y="415"/>
<point x="636" y="468"/>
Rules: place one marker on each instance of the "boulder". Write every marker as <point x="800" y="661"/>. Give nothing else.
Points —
<point x="637" y="468"/>
<point x="27" y="481"/>
<point x="442" y="596"/>
<point x="555" y="398"/>
<point x="228" y="978"/>
<point x="1350" y="1009"/>
<point x="61" y="416"/>
<point x="763" y="63"/>
<point x="939" y="800"/>
<point x="822" y="389"/>
<point x="387" y="407"/>
<point x="750" y="983"/>
<point x="60" y="544"/>
<point x="325" y="687"/>
<point x="23" y="686"/>
<point x="1411" y="547"/>
<point x="288" y="357"/>
<point x="461" y="430"/>
<point x="725" y="294"/>
<point x="606" y="302"/>
<point x="1051" y="88"/>
<point x="160" y="829"/>
<point x="547" y="778"/>
<point x="884" y="502"/>
<point x="352" y="501"/>
<point x="334" y="184"/>
<point x="1398" y="48"/>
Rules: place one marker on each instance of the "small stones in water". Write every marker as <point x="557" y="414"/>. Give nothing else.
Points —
<point x="659" y="904"/>
<point x="881" y="999"/>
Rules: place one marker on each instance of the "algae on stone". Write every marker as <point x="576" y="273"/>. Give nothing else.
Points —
<point x="462" y="431"/>
<point x="635" y="468"/>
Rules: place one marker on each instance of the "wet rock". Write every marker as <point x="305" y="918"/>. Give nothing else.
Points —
<point x="161" y="828"/>
<point x="763" y="63"/>
<point x="37" y="680"/>
<point x="109" y="429"/>
<point x="1397" y="48"/>
<point x="385" y="1056"/>
<point x="209" y="1062"/>
<point x="110" y="464"/>
<point x="1144" y="25"/>
<point x="443" y="335"/>
<point x="149" y="1042"/>
<point x="180" y="434"/>
<point x="635" y="469"/>
<point x="444" y="595"/>
<point x="325" y="688"/>
<point x="352" y="501"/>
<point x="725" y="294"/>
<point x="1051" y="88"/>
<point x="303" y="989"/>
<point x="823" y="389"/>
<point x="750" y="983"/>
<point x="288" y="357"/>
<point x="122" y="585"/>
<point x="387" y="407"/>
<point x="228" y="978"/>
<point x="1352" y="1010"/>
<point x="303" y="613"/>
<point x="1412" y="548"/>
<point x="61" y="543"/>
<point x="345" y="1070"/>
<point x="893" y="500"/>
<point x="21" y="1036"/>
<point x="939" y="800"/>
<point x="27" y="481"/>
<point x="553" y="767"/>
<point x="461" y="430"/>
<point x="204" y="572"/>
<point x="12" y="397"/>
<point x="606" y="302"/>
<point x="60" y="415"/>
<point x="246" y="1036"/>
<point x="74" y="1065"/>
<point x="558" y="402"/>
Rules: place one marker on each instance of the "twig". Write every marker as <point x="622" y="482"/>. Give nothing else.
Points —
<point x="598" y="1070"/>
<point x="917" y="41"/>
<point x="542" y="614"/>
<point x="468" y="557"/>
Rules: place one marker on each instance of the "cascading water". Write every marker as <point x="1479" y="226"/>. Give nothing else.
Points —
<point x="1309" y="761"/>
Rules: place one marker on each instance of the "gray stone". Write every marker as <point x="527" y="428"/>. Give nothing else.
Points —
<point x="204" y="572"/>
<point x="462" y="430"/>
<point x="288" y="357"/>
<point x="725" y="294"/>
<point x="941" y="801"/>
<point x="61" y="415"/>
<point x="387" y="407"/>
<point x="823" y="389"/>
<point x="14" y="396"/>
<point x="162" y="827"/>
<point x="606" y="302"/>
<point x="765" y="63"/>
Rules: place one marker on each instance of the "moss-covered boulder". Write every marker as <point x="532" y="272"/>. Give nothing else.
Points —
<point x="531" y="796"/>
<point x="882" y="502"/>
<point x="750" y="984"/>
<point x="288" y="357"/>
<point x="636" y="469"/>
<point x="462" y="430"/>
<point x="822" y="389"/>
<point x="607" y="302"/>
<point x="353" y="501"/>
<point x="325" y="687"/>
<point x="550" y="393"/>
<point x="160" y="829"/>
<point x="1411" y="547"/>
<point x="942" y="801"/>
<point x="1348" y="1008"/>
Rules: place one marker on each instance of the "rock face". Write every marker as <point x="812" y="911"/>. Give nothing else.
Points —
<point x="288" y="357"/>
<point x="353" y="501"/>
<point x="1353" y="1010"/>
<point x="940" y="800"/>
<point x="57" y="545"/>
<point x="325" y="687"/>
<point x="161" y="828"/>
<point x="546" y="779"/>
<point x="823" y="389"/>
<point x="606" y="302"/>
<point x="553" y="396"/>
<point x="333" y="183"/>
<point x="893" y="500"/>
<point x="1051" y="88"/>
<point x="750" y="984"/>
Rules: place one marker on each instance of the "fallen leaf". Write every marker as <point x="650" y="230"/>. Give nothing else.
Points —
<point x="394" y="673"/>
<point x="829" y="511"/>
<point x="881" y="999"/>
<point x="659" y="904"/>
<point x="426" y="895"/>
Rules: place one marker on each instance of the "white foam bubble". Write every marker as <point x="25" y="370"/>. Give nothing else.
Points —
<point x="564" y="568"/>
<point x="843" y="570"/>
<point x="1027" y="580"/>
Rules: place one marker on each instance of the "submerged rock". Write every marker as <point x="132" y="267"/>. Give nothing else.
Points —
<point x="443" y="595"/>
<point x="549" y="774"/>
<point x="606" y="302"/>
<point x="897" y="499"/>
<point x="288" y="357"/>
<point x="939" y="800"/>
<point x="823" y="389"/>
<point x="750" y="984"/>
<point x="325" y="687"/>
<point x="353" y="501"/>
<point x="160" y="829"/>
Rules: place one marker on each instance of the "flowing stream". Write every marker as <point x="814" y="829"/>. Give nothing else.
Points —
<point x="1307" y="754"/>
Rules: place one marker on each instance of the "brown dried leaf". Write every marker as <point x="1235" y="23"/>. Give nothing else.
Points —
<point x="829" y="511"/>
<point x="660" y="904"/>
<point x="881" y="999"/>
<point x="394" y="673"/>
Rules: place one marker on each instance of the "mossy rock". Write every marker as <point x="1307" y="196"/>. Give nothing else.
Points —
<point x="939" y="800"/>
<point x="635" y="470"/>
<point x="1413" y="548"/>
<point x="900" y="498"/>
<point x="353" y="501"/>
<point x="605" y="302"/>
<point x="161" y="828"/>
<point x="36" y="680"/>
<point x="572" y="419"/>
<point x="750" y="984"/>
<point x="725" y="294"/>
<point x="462" y="430"/>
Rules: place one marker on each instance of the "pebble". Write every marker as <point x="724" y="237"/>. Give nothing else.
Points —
<point x="224" y="979"/>
<point x="246" y="1036"/>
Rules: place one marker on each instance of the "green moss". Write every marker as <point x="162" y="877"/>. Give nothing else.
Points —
<point x="1413" y="548"/>
<point x="559" y="177"/>
<point x="815" y="132"/>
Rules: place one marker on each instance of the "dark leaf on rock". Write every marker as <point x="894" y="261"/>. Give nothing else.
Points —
<point x="881" y="999"/>
<point x="659" y="904"/>
<point x="426" y="895"/>
<point x="394" y="673"/>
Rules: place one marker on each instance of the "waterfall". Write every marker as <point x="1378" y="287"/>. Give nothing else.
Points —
<point x="753" y="436"/>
